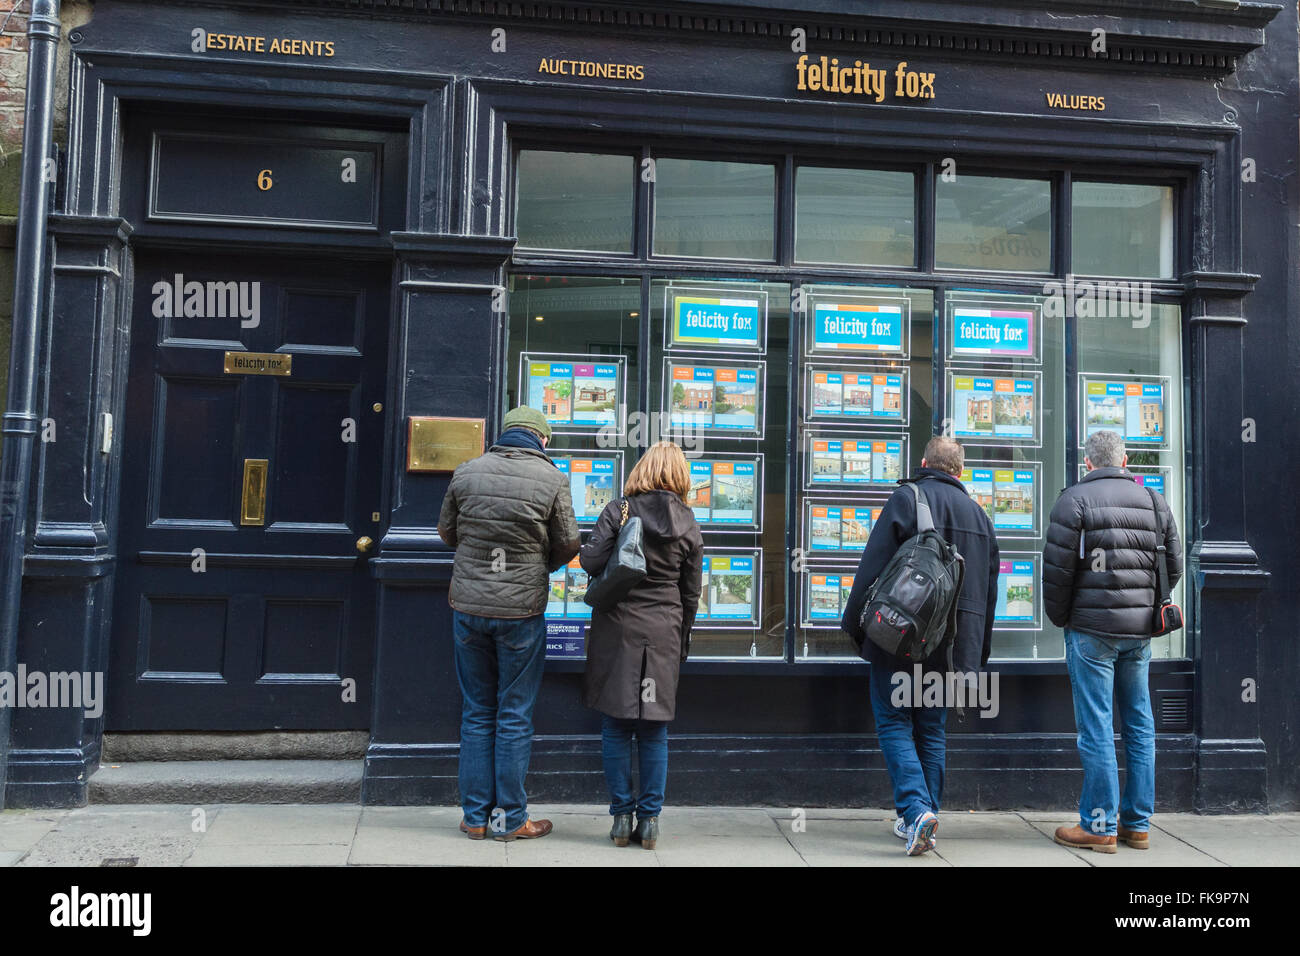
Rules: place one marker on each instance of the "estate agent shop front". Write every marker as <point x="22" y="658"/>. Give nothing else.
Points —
<point x="306" y="255"/>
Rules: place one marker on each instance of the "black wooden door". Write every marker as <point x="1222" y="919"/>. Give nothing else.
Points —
<point x="242" y="599"/>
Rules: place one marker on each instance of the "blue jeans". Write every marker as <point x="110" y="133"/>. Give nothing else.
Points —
<point x="1098" y="666"/>
<point x="912" y="740"/>
<point x="652" y="758"/>
<point x="499" y="665"/>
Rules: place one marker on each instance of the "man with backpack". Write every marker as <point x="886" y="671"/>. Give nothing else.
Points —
<point x="930" y="608"/>
<point x="1111" y="557"/>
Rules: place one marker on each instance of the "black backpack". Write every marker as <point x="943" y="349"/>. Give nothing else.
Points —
<point x="911" y="608"/>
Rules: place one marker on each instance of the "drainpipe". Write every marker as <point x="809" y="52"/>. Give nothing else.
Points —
<point x="20" y="418"/>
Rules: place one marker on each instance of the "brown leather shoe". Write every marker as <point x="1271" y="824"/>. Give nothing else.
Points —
<point x="1137" y="839"/>
<point x="474" y="833"/>
<point x="531" y="830"/>
<point x="1079" y="838"/>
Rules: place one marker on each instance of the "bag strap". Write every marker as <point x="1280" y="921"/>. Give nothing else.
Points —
<point x="623" y="507"/>
<point x="924" y="518"/>
<point x="1162" y="562"/>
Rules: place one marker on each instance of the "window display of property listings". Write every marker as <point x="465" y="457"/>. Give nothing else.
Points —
<point x="576" y="394"/>
<point x="595" y="479"/>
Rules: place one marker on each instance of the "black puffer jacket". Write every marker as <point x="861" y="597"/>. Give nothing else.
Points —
<point x="966" y="527"/>
<point x="648" y="633"/>
<point x="1107" y="522"/>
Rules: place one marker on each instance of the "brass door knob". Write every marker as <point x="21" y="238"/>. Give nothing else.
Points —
<point x="363" y="544"/>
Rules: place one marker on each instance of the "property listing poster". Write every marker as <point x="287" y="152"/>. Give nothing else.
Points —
<point x="842" y="461"/>
<point x="573" y="395"/>
<point x="593" y="482"/>
<point x="859" y="325"/>
<point x="993" y="331"/>
<point x="1154" y="477"/>
<point x="714" y="319"/>
<point x="729" y="590"/>
<point x="725" y="492"/>
<point x="567" y="615"/>
<point x="856" y="395"/>
<point x="835" y="528"/>
<point x="1018" y="592"/>
<point x="1008" y="494"/>
<point x="717" y="397"/>
<point x="993" y="408"/>
<point x="1135" y="408"/>
<point x="826" y="596"/>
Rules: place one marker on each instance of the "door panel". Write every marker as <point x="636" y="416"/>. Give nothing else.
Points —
<point x="225" y="623"/>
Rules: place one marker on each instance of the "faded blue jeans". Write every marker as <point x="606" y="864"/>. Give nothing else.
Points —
<point x="499" y="664"/>
<point x="1100" y="666"/>
<point x="914" y="744"/>
<point x="652" y="760"/>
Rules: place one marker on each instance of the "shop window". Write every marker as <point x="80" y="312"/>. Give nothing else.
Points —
<point x="1122" y="229"/>
<point x="1130" y="381"/>
<point x="718" y="379"/>
<point x="993" y="223"/>
<point x="864" y="217"/>
<point x="715" y="210"/>
<point x="577" y="201"/>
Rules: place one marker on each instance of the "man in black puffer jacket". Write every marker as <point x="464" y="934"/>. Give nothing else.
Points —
<point x="1100" y="584"/>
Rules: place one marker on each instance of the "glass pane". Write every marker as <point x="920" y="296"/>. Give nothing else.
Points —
<point x="574" y="329"/>
<point x="714" y="210"/>
<point x="1122" y="229"/>
<point x="987" y="222"/>
<point x="738" y="480"/>
<point x="578" y="201"/>
<point x="1131" y="373"/>
<point x="855" y="216"/>
<point x="860" y="395"/>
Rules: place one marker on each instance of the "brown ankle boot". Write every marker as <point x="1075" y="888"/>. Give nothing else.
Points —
<point x="474" y="833"/>
<point x="1137" y="839"/>
<point x="531" y="830"/>
<point x="1076" y="836"/>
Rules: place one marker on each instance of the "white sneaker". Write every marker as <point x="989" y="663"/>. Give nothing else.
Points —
<point x="921" y="837"/>
<point x="900" y="831"/>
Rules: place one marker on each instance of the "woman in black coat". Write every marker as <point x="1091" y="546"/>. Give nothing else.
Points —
<point x="635" y="649"/>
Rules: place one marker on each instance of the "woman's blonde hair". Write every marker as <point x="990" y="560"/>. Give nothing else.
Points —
<point x="662" y="468"/>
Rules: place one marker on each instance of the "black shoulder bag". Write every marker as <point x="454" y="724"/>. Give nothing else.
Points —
<point x="625" y="568"/>
<point x="1168" y="615"/>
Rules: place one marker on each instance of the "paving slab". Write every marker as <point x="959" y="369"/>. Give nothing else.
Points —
<point x="681" y="849"/>
<point x="283" y="825"/>
<point x="1234" y="841"/>
<point x="579" y="839"/>
<point x="10" y="857"/>
<point x="153" y="836"/>
<point x="853" y="843"/>
<point x="266" y="854"/>
<point x="419" y="836"/>
<point x="1162" y="852"/>
<point x="22" y="829"/>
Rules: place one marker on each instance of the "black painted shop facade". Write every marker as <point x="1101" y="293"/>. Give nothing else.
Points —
<point x="258" y="551"/>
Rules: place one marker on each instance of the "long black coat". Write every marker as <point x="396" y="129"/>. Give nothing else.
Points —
<point x="966" y="527"/>
<point x="1100" y="558"/>
<point x="648" y="633"/>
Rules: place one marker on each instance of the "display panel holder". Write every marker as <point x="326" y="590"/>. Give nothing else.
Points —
<point x="730" y="299"/>
<point x="704" y="620"/>
<point x="810" y="371"/>
<point x="1142" y="382"/>
<point x="563" y="459"/>
<point x="897" y="445"/>
<point x="808" y="536"/>
<point x="711" y="526"/>
<point x="991" y="385"/>
<point x="811" y="600"/>
<point x="562" y="424"/>
<point x="1036" y="493"/>
<point x="1007" y="316"/>
<point x="700" y="391"/>
<point x="1035" y="570"/>
<point x="832" y="331"/>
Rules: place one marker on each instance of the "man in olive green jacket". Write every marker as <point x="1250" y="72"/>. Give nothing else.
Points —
<point x="509" y="515"/>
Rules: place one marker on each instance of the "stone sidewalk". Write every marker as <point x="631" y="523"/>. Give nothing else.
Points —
<point x="347" y="834"/>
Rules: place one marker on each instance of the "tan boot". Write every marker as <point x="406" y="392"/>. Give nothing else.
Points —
<point x="474" y="833"/>
<point x="1137" y="839"/>
<point x="531" y="830"/>
<point x="1079" y="838"/>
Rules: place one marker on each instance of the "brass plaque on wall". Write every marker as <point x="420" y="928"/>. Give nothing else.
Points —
<point x="440" y="444"/>
<point x="258" y="363"/>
